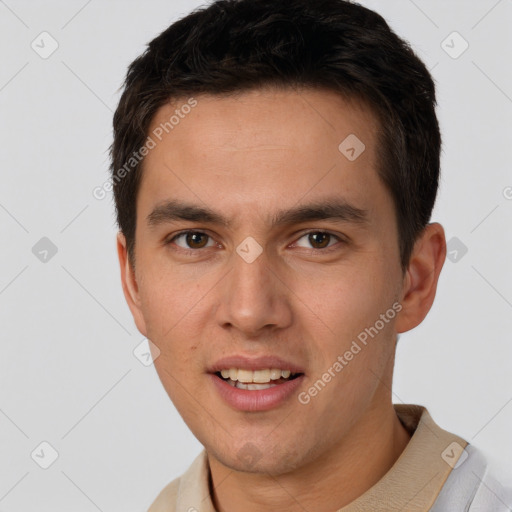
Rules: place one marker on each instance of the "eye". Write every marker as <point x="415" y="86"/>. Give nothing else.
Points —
<point x="319" y="239"/>
<point x="191" y="240"/>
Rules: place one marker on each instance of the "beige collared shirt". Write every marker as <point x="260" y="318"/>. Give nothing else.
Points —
<point x="413" y="484"/>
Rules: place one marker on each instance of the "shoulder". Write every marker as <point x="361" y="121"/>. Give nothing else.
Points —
<point x="473" y="486"/>
<point x="166" y="499"/>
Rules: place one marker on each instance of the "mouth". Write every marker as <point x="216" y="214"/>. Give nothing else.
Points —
<point x="252" y="386"/>
<point x="256" y="380"/>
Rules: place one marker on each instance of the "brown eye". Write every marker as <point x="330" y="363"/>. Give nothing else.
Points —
<point x="196" y="240"/>
<point x="190" y="240"/>
<point x="319" y="240"/>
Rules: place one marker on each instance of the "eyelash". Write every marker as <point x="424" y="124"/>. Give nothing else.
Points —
<point x="327" y="249"/>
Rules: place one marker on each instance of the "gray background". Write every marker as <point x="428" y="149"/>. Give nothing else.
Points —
<point x="68" y="374"/>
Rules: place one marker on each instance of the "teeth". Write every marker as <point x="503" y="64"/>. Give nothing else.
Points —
<point x="261" y="376"/>
<point x="275" y="374"/>
<point x="255" y="377"/>
<point x="244" y="376"/>
<point x="253" y="387"/>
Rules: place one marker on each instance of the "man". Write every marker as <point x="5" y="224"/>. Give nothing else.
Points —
<point x="275" y="164"/>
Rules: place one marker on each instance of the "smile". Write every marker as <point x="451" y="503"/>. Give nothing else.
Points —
<point x="257" y="379"/>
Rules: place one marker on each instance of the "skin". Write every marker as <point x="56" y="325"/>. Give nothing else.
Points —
<point x="247" y="156"/>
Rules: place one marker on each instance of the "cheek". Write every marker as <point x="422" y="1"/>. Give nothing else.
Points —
<point x="348" y="300"/>
<point x="352" y="329"/>
<point x="171" y="300"/>
<point x="176" y="333"/>
<point x="173" y="303"/>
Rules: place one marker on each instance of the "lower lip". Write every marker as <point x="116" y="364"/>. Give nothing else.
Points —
<point x="258" y="399"/>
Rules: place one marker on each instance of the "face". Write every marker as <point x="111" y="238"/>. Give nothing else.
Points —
<point x="260" y="245"/>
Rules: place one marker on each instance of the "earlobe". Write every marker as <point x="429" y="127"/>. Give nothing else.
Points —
<point x="422" y="275"/>
<point x="129" y="284"/>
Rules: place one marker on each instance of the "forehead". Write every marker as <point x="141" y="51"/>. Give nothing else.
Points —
<point x="262" y="118"/>
<point x="261" y="149"/>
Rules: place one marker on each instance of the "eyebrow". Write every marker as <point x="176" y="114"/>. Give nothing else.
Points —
<point x="327" y="209"/>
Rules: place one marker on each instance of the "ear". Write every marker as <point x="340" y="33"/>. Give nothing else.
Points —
<point x="420" y="281"/>
<point x="130" y="287"/>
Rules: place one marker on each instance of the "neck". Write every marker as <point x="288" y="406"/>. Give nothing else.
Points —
<point x="328" y="483"/>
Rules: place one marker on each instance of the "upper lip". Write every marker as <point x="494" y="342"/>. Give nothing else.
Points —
<point x="254" y="363"/>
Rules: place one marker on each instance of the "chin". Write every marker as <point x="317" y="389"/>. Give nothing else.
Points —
<point x="253" y="458"/>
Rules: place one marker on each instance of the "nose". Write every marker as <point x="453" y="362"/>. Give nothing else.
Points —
<point x="253" y="297"/>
